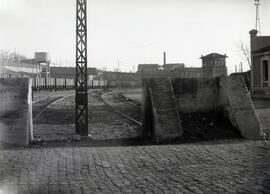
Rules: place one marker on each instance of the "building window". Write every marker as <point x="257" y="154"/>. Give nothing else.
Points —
<point x="265" y="70"/>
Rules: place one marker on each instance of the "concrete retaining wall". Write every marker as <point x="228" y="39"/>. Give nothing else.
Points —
<point x="236" y="102"/>
<point x="198" y="95"/>
<point x="195" y="95"/>
<point x="166" y="117"/>
<point x="16" y="126"/>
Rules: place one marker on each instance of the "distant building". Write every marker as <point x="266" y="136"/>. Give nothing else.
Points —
<point x="147" y="67"/>
<point x="40" y="66"/>
<point x="70" y="72"/>
<point x="192" y="72"/>
<point x="172" y="66"/>
<point x="214" y="65"/>
<point x="260" y="64"/>
<point x="121" y="79"/>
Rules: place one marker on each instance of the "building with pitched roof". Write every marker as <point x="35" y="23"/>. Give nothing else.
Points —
<point x="260" y="64"/>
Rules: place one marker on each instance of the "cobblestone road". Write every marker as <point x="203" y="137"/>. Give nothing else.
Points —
<point x="226" y="167"/>
<point x="262" y="107"/>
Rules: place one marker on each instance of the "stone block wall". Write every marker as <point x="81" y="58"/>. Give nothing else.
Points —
<point x="16" y="125"/>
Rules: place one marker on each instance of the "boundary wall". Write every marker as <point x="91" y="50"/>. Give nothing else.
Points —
<point x="16" y="124"/>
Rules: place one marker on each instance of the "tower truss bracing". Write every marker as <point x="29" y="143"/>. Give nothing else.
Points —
<point x="258" y="23"/>
<point x="81" y="69"/>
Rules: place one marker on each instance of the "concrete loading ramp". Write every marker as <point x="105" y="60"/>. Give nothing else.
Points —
<point x="238" y="107"/>
<point x="166" y="102"/>
<point x="161" y="113"/>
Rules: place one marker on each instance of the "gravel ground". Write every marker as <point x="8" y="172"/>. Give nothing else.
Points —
<point x="57" y="121"/>
<point x="133" y="94"/>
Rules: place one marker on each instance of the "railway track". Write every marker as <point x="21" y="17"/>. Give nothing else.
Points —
<point x="43" y="108"/>
<point x="54" y="101"/>
<point x="121" y="98"/>
<point x="110" y="117"/>
<point x="117" y="110"/>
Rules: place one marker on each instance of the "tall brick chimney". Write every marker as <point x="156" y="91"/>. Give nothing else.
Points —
<point x="164" y="58"/>
<point x="253" y="35"/>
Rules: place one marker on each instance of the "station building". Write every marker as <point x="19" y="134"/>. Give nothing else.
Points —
<point x="260" y="64"/>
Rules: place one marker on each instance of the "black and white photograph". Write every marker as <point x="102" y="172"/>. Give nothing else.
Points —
<point x="135" y="96"/>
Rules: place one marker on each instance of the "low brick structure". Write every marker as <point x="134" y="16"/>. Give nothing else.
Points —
<point x="226" y="94"/>
<point x="260" y="64"/>
<point x="16" y="126"/>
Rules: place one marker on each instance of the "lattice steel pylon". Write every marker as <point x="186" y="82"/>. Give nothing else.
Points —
<point x="81" y="96"/>
<point x="258" y="23"/>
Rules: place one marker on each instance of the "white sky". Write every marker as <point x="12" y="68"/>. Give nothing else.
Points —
<point x="132" y="31"/>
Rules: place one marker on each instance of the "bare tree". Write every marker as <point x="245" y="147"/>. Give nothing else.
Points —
<point x="245" y="53"/>
<point x="104" y="68"/>
<point x="7" y="57"/>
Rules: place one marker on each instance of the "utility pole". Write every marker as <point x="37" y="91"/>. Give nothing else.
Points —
<point x="241" y="66"/>
<point x="118" y="74"/>
<point x="81" y="96"/>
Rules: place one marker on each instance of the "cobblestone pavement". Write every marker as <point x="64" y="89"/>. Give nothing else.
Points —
<point x="262" y="107"/>
<point x="224" y="167"/>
